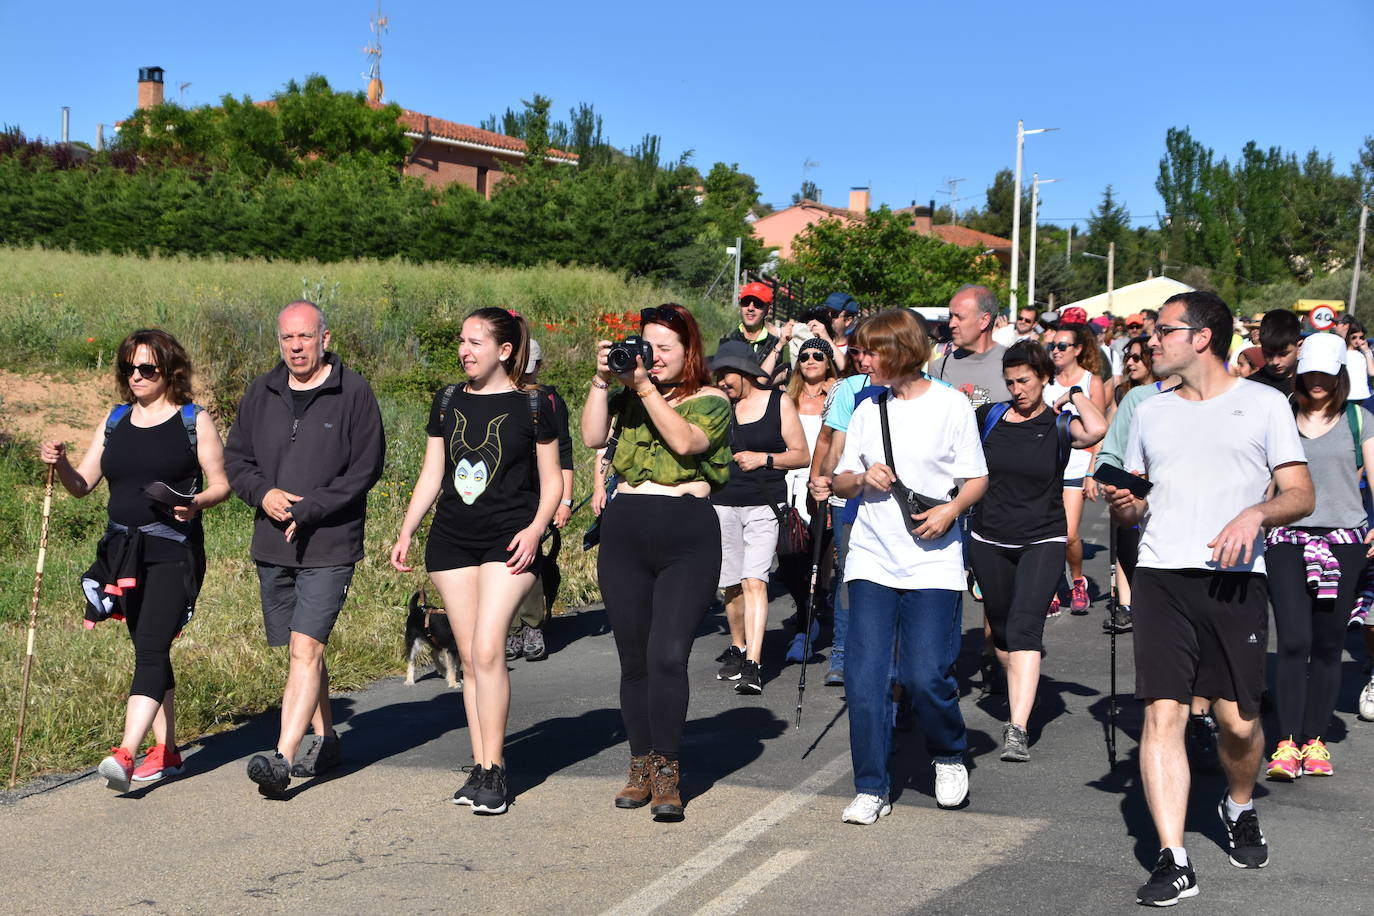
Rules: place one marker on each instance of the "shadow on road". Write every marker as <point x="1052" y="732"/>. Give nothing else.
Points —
<point x="721" y="745"/>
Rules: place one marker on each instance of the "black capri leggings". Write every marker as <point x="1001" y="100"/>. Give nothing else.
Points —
<point x="1310" y="636"/>
<point x="658" y="567"/>
<point x="1017" y="583"/>
<point x="153" y="612"/>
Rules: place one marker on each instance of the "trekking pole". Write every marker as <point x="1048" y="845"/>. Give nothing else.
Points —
<point x="817" y="532"/>
<point x="548" y="532"/>
<point x="1111" y="702"/>
<point x="33" y="624"/>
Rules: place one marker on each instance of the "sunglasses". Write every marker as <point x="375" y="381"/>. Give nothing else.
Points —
<point x="1136" y="326"/>
<point x="662" y="315"/>
<point x="1061" y="347"/>
<point x="1134" y="357"/>
<point x="146" y="370"/>
<point x="808" y="355"/>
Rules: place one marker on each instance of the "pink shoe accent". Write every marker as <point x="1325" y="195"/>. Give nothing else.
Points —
<point x="1055" y="609"/>
<point x="1286" y="763"/>
<point x="1078" y="596"/>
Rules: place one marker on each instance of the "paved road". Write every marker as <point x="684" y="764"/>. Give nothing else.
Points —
<point x="763" y="833"/>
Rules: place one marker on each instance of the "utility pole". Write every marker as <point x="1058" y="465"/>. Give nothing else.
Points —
<point x="1021" y="133"/>
<point x="1111" y="272"/>
<point x="1359" y="252"/>
<point x="736" y="252"/>
<point x="1036" y="182"/>
<point x="1068" y="252"/>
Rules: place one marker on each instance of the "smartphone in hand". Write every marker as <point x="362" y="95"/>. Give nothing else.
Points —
<point x="1113" y="476"/>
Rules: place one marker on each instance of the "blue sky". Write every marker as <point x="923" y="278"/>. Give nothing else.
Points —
<point x="900" y="95"/>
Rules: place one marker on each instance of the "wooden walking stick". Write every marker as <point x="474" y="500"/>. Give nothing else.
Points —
<point x="33" y="624"/>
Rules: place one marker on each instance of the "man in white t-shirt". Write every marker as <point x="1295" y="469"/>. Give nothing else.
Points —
<point x="1209" y="449"/>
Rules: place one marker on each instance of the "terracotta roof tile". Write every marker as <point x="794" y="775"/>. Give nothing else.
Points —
<point x="965" y="237"/>
<point x="414" y="121"/>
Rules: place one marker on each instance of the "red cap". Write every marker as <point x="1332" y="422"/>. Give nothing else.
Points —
<point x="756" y="290"/>
<point x="1073" y="315"/>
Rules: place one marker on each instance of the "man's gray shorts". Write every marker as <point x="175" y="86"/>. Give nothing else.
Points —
<point x="303" y="600"/>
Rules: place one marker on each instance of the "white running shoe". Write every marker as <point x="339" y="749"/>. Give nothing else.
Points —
<point x="1367" y="702"/>
<point x="951" y="785"/>
<point x="865" y="809"/>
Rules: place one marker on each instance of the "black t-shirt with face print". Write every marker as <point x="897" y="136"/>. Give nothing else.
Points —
<point x="491" y="480"/>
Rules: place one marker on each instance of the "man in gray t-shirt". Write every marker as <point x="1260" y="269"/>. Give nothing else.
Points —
<point x="974" y="366"/>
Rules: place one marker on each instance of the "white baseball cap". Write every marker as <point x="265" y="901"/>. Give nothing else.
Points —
<point x="1322" y="353"/>
<point x="536" y="355"/>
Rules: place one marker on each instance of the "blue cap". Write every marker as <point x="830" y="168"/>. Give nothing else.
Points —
<point x="841" y="302"/>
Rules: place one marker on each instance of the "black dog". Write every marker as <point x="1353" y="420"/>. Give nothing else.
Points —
<point x="427" y="629"/>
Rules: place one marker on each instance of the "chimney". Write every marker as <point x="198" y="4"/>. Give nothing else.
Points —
<point x="149" y="87"/>
<point x="858" y="200"/>
<point x="921" y="218"/>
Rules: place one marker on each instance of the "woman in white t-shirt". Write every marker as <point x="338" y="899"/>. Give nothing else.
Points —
<point x="1077" y="363"/>
<point x="1359" y="363"/>
<point x="905" y="579"/>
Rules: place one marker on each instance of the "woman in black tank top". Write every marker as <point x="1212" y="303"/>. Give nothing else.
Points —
<point x="767" y="440"/>
<point x="150" y="563"/>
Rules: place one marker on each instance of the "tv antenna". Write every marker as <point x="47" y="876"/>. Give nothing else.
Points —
<point x="373" y="51"/>
<point x="181" y="90"/>
<point x="953" y="193"/>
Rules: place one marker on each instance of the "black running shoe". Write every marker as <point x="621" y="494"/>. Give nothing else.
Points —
<point x="1118" y="620"/>
<point x="1168" y="882"/>
<point x="750" y="680"/>
<point x="1248" y="848"/>
<point x="465" y="793"/>
<point x="323" y="755"/>
<point x="271" y="772"/>
<point x="490" y="794"/>
<point x="731" y="660"/>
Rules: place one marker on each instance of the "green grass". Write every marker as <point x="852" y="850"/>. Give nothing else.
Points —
<point x="66" y="313"/>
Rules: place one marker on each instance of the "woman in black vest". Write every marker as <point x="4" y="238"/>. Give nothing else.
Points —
<point x="767" y="440"/>
<point x="152" y="558"/>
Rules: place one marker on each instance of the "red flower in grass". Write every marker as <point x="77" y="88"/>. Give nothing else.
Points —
<point x="551" y="328"/>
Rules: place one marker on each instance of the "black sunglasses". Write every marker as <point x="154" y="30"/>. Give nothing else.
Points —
<point x="807" y="356"/>
<point x="146" y="370"/>
<point x="1133" y="356"/>
<point x="1061" y="346"/>
<point x="661" y="314"/>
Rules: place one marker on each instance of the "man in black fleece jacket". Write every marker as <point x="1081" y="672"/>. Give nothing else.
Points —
<point x="305" y="449"/>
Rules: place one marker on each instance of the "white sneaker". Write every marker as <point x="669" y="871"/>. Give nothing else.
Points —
<point x="951" y="784"/>
<point x="1367" y="702"/>
<point x="865" y="809"/>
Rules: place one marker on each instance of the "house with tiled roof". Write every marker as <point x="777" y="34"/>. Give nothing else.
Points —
<point x="442" y="152"/>
<point x="781" y="227"/>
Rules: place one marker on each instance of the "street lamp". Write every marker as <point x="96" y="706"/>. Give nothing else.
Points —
<point x="1110" y="258"/>
<point x="1021" y="133"/>
<point x="1036" y="182"/>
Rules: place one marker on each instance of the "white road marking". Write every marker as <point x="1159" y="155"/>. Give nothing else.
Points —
<point x="663" y="890"/>
<point x="734" y="898"/>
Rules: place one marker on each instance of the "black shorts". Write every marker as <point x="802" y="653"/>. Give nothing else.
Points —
<point x="304" y="600"/>
<point x="1200" y="633"/>
<point x="442" y="554"/>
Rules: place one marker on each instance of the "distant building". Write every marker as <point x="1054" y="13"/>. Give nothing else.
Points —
<point x="780" y="228"/>
<point x="442" y="152"/>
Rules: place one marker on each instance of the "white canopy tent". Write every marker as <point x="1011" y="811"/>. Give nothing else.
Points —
<point x="1147" y="294"/>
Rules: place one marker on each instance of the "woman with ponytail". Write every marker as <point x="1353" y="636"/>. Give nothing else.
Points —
<point x="492" y="463"/>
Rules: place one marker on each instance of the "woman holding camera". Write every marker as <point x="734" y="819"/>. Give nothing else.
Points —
<point x="660" y="541"/>
<point x="1018" y="531"/>
<point x="917" y="443"/>
<point x="491" y="460"/>
<point x="151" y="561"/>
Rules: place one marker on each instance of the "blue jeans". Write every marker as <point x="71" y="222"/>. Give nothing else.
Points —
<point x="926" y="626"/>
<point x="839" y="601"/>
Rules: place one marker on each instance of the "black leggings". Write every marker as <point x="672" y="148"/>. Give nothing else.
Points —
<point x="153" y="612"/>
<point x="658" y="567"/>
<point x="1017" y="584"/>
<point x="1311" y="634"/>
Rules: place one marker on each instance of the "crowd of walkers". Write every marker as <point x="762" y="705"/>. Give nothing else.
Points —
<point x="880" y="473"/>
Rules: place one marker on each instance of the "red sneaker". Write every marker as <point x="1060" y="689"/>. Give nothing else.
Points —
<point x="1055" y="610"/>
<point x="118" y="769"/>
<point x="1078" y="600"/>
<point x="158" y="762"/>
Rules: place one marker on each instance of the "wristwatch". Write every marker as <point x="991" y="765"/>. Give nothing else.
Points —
<point x="565" y="502"/>
<point x="769" y="462"/>
<point x="1073" y="391"/>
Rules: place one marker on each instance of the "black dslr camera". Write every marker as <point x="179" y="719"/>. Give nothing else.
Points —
<point x="818" y="313"/>
<point x="620" y="359"/>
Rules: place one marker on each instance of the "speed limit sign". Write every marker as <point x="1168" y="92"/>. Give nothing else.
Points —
<point x="1323" y="318"/>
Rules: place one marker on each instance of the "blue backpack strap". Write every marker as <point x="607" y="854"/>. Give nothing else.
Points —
<point x="1061" y="425"/>
<point x="116" y="414"/>
<point x="189" y="412"/>
<point x="994" y="416"/>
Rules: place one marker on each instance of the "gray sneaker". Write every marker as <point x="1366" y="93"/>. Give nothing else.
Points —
<point x="533" y="644"/>
<point x="515" y="646"/>
<point x="1015" y="744"/>
<point x="323" y="755"/>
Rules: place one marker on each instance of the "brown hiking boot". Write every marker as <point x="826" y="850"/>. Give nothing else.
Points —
<point x="636" y="791"/>
<point x="666" y="800"/>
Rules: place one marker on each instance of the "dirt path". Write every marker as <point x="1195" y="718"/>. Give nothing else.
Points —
<point x="44" y="406"/>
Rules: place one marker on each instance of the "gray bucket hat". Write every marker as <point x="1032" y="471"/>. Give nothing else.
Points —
<point x="739" y="356"/>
